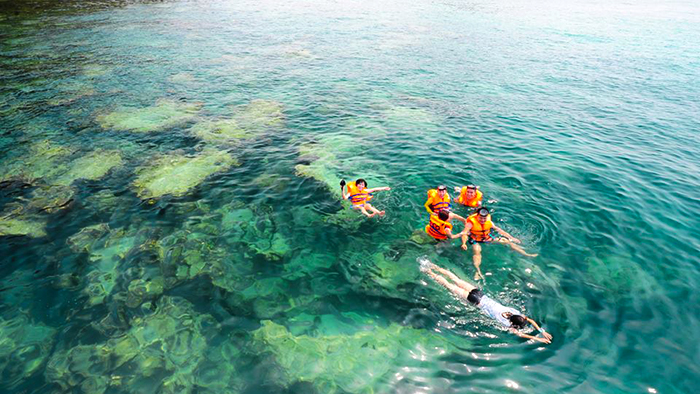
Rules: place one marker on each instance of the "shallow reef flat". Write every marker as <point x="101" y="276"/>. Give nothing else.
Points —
<point x="354" y="363"/>
<point x="162" y="115"/>
<point x="176" y="174"/>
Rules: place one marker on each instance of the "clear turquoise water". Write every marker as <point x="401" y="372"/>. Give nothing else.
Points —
<point x="579" y="122"/>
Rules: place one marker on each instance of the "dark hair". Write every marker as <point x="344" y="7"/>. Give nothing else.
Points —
<point x="483" y="211"/>
<point x="360" y="180"/>
<point x="471" y="187"/>
<point x="518" y="321"/>
<point x="444" y="214"/>
<point x="442" y="187"/>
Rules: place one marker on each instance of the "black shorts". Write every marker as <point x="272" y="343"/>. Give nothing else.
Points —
<point x="475" y="296"/>
<point x="486" y="240"/>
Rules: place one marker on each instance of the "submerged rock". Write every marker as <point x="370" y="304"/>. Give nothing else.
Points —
<point x="344" y="363"/>
<point x="44" y="159"/>
<point x="259" y="115"/>
<point x="220" y="131"/>
<point x="83" y="240"/>
<point x="31" y="228"/>
<point x="164" y="114"/>
<point x="24" y="348"/>
<point x="161" y="353"/>
<point x="177" y="174"/>
<point x="92" y="166"/>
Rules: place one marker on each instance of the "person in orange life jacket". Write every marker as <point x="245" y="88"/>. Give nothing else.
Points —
<point x="479" y="227"/>
<point x="359" y="195"/>
<point x="438" y="199"/>
<point x="469" y="195"/>
<point x="440" y="227"/>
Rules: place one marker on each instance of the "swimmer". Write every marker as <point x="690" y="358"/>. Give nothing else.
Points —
<point x="479" y="226"/>
<point x="359" y="195"/>
<point x="438" y="199"/>
<point x="469" y="195"/>
<point x="508" y="317"/>
<point x="440" y="226"/>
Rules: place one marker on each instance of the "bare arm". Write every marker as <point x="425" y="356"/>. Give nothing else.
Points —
<point x="345" y="195"/>
<point x="501" y="231"/>
<point x="526" y="336"/>
<point x="544" y="333"/>
<point x="377" y="189"/>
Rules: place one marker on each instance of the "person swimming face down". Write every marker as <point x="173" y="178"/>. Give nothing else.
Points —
<point x="517" y="321"/>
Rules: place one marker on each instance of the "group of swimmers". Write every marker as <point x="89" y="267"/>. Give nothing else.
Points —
<point x="477" y="230"/>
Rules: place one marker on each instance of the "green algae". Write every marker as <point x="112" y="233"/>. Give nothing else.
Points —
<point x="164" y="114"/>
<point x="161" y="353"/>
<point x="92" y="166"/>
<point x="24" y="349"/>
<point x="355" y="362"/>
<point x="177" y="174"/>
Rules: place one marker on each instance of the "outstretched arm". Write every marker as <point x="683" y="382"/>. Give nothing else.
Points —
<point x="501" y="231"/>
<point x="544" y="340"/>
<point x="377" y="189"/>
<point x="544" y="333"/>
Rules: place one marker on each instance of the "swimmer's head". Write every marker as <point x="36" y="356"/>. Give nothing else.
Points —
<point x="444" y="214"/>
<point x="471" y="191"/>
<point x="516" y="321"/>
<point x="442" y="189"/>
<point x="361" y="183"/>
<point x="482" y="214"/>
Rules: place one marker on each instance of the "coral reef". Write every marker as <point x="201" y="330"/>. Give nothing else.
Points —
<point x="160" y="353"/>
<point x="177" y="174"/>
<point x="163" y="115"/>
<point x="24" y="348"/>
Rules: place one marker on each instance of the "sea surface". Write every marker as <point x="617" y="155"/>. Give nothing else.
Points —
<point x="170" y="216"/>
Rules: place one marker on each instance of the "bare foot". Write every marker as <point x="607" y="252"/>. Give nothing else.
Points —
<point x="478" y="276"/>
<point x="381" y="213"/>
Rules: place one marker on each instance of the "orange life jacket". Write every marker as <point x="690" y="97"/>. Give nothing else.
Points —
<point x="436" y="228"/>
<point x="357" y="197"/>
<point x="478" y="231"/>
<point x="437" y="203"/>
<point x="474" y="202"/>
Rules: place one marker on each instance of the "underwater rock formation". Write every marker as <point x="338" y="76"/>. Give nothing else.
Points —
<point x="343" y="363"/>
<point x="160" y="353"/>
<point x="31" y="228"/>
<point x="164" y="114"/>
<point x="92" y="166"/>
<point x="220" y="131"/>
<point x="176" y="174"/>
<point x="24" y="348"/>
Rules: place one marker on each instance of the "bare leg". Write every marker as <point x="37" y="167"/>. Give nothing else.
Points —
<point x="374" y="210"/>
<point x="515" y="247"/>
<point x="477" y="262"/>
<point x="456" y="290"/>
<point x="363" y="210"/>
<point x="461" y="283"/>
